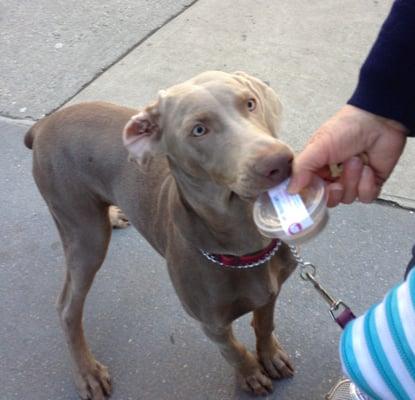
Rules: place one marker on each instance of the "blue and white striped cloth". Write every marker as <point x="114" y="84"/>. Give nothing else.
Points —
<point x="378" y="349"/>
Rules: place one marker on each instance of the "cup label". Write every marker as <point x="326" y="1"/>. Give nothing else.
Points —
<point x="290" y="209"/>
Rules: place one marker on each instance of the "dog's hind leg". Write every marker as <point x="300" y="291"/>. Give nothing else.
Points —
<point x="85" y="234"/>
<point x="271" y="355"/>
<point x="248" y="370"/>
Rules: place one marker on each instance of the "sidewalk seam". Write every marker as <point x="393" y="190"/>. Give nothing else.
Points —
<point x="124" y="54"/>
<point x="8" y="117"/>
<point x="395" y="204"/>
<point x="20" y="121"/>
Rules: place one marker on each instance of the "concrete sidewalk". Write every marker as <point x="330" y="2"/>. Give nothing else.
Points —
<point x="137" y="326"/>
<point x="51" y="49"/>
<point x="310" y="53"/>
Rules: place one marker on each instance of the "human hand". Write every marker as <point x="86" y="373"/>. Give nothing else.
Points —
<point x="351" y="135"/>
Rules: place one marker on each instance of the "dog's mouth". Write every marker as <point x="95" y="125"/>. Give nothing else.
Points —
<point x="251" y="193"/>
<point x="248" y="197"/>
<point x="234" y="196"/>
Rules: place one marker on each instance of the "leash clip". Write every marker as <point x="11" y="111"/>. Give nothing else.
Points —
<point x="339" y="310"/>
<point x="308" y="273"/>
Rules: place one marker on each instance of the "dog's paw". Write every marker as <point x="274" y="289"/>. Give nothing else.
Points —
<point x="93" y="382"/>
<point x="117" y="218"/>
<point x="253" y="379"/>
<point x="275" y="360"/>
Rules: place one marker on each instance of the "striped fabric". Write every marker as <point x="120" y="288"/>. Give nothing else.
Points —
<point x="378" y="349"/>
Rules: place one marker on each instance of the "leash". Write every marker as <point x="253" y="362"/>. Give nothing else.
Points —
<point x="339" y="310"/>
<point x="346" y="388"/>
<point x="411" y="263"/>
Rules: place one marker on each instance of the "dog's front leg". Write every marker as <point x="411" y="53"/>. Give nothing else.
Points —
<point x="271" y="355"/>
<point x="249" y="371"/>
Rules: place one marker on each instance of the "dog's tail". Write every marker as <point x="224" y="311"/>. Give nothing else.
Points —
<point x="28" y="138"/>
<point x="31" y="133"/>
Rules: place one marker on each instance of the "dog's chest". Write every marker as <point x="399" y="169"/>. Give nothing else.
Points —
<point x="258" y="287"/>
<point x="248" y="292"/>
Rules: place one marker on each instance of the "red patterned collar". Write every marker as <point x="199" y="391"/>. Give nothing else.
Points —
<point x="247" y="261"/>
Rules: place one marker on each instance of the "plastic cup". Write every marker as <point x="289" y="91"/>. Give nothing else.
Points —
<point x="292" y="218"/>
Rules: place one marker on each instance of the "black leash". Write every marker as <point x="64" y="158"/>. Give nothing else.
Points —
<point x="411" y="263"/>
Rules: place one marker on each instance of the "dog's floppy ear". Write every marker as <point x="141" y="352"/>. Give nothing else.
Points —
<point x="269" y="100"/>
<point x="142" y="134"/>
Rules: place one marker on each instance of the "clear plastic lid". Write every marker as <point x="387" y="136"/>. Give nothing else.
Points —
<point x="297" y="218"/>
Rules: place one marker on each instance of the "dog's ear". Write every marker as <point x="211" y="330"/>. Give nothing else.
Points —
<point x="268" y="98"/>
<point x="142" y="134"/>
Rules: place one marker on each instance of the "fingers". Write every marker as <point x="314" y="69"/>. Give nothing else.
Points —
<point x="350" y="178"/>
<point x="334" y="194"/>
<point x="328" y="145"/>
<point x="349" y="133"/>
<point x="344" y="190"/>
<point x="347" y="188"/>
<point x="310" y="161"/>
<point x="357" y="182"/>
<point x="299" y="181"/>
<point x="368" y="188"/>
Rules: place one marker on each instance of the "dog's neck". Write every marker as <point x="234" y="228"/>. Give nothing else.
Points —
<point x="213" y="217"/>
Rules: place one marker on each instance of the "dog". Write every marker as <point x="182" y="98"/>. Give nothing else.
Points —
<point x="186" y="170"/>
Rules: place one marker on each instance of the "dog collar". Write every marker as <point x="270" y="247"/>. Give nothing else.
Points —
<point x="247" y="261"/>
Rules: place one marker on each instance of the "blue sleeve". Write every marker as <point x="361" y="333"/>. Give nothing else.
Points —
<point x="386" y="83"/>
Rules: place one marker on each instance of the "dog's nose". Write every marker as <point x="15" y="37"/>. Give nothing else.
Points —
<point x="276" y="167"/>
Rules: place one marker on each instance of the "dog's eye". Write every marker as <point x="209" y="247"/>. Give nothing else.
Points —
<point x="199" y="130"/>
<point x="251" y="103"/>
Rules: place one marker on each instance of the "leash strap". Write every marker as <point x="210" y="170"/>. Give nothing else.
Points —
<point x="411" y="264"/>
<point x="339" y="310"/>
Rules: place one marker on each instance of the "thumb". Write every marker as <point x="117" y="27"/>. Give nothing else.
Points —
<point x="299" y="181"/>
<point x="308" y="163"/>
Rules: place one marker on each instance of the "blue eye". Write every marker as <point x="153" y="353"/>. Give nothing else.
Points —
<point x="199" y="130"/>
<point x="251" y="103"/>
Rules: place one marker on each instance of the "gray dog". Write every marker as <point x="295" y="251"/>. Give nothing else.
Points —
<point x="185" y="170"/>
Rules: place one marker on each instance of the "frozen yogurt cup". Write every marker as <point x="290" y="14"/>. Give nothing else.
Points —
<point x="292" y="218"/>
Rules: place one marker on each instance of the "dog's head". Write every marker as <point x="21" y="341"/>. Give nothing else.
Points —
<point x="217" y="126"/>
